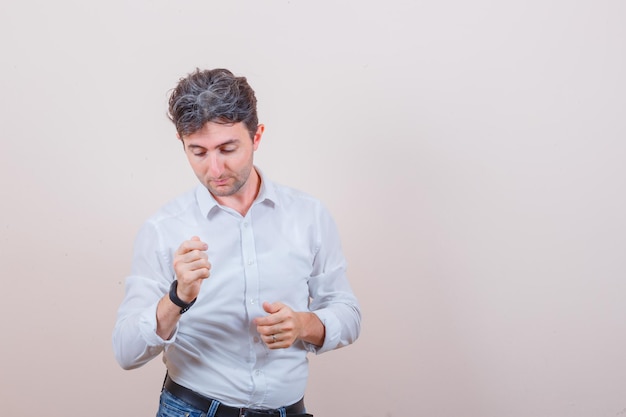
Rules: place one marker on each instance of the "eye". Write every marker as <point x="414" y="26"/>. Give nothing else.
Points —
<point x="199" y="153"/>
<point x="228" y="150"/>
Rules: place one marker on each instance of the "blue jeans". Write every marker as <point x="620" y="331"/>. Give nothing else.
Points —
<point x="171" y="406"/>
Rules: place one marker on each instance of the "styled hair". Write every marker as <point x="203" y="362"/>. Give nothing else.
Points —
<point x="214" y="95"/>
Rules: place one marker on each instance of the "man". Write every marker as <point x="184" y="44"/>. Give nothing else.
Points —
<point x="237" y="280"/>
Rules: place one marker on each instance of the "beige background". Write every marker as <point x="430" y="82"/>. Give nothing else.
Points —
<point x="472" y="154"/>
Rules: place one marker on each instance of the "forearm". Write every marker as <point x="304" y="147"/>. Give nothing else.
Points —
<point x="312" y="329"/>
<point x="167" y="316"/>
<point x="342" y="325"/>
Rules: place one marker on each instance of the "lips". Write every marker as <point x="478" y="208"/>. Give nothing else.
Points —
<point x="220" y="182"/>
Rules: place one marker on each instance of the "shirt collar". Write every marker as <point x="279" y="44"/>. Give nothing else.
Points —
<point x="267" y="195"/>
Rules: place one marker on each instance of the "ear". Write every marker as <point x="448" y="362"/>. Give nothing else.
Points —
<point x="182" y="142"/>
<point x="257" y="136"/>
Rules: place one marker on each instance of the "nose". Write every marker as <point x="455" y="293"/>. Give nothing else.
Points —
<point x="216" y="165"/>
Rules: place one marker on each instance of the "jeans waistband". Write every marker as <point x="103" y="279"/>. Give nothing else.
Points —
<point x="209" y="404"/>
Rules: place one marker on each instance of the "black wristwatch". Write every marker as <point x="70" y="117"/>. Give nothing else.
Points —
<point x="180" y="303"/>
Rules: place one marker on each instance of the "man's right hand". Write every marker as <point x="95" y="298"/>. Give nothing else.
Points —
<point x="192" y="266"/>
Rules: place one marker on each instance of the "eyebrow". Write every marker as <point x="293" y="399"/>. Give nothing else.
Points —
<point x="228" y="142"/>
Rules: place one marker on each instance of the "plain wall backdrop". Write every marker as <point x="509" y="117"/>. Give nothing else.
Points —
<point x="472" y="154"/>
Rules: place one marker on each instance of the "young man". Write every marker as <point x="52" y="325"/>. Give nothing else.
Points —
<point x="238" y="280"/>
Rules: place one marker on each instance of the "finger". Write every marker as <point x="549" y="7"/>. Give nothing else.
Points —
<point x="190" y="261"/>
<point x="278" y="341"/>
<point x="189" y="282"/>
<point x="194" y="264"/>
<point x="272" y="340"/>
<point x="183" y="261"/>
<point x="188" y="276"/>
<point x="201" y="263"/>
<point x="272" y="308"/>
<point x="268" y="330"/>
<point x="267" y="321"/>
<point x="193" y="256"/>
<point x="190" y="245"/>
<point x="197" y="265"/>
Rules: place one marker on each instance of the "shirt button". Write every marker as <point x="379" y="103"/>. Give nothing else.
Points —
<point x="256" y="339"/>
<point x="250" y="261"/>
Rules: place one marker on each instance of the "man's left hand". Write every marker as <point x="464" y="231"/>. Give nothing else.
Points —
<point x="281" y="327"/>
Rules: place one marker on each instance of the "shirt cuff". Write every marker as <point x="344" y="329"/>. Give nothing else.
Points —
<point x="332" y="331"/>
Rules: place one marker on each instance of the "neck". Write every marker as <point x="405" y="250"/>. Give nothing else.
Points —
<point x="242" y="200"/>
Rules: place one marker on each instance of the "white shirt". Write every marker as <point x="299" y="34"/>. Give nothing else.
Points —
<point x="285" y="249"/>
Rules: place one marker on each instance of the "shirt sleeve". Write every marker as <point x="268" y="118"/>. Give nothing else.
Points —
<point x="332" y="298"/>
<point x="135" y="341"/>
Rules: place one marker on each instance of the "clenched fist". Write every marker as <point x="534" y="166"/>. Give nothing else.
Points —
<point x="192" y="266"/>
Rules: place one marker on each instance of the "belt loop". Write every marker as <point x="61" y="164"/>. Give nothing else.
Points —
<point x="213" y="408"/>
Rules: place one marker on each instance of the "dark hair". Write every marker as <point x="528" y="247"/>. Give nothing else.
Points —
<point x="212" y="96"/>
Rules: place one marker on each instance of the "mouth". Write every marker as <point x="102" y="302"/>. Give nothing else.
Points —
<point x="220" y="182"/>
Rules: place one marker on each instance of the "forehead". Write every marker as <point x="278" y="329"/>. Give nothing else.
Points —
<point x="216" y="134"/>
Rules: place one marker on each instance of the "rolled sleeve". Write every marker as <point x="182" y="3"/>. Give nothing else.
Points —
<point x="333" y="300"/>
<point x="148" y="329"/>
<point x="135" y="341"/>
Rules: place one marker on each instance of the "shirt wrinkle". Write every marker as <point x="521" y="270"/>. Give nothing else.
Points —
<point x="286" y="249"/>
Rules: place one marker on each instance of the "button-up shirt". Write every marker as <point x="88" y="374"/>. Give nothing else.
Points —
<point x="286" y="248"/>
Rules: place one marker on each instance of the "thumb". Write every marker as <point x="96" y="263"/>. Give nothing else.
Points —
<point x="271" y="308"/>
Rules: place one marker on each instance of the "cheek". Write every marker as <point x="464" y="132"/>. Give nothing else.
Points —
<point x="235" y="163"/>
<point x="198" y="167"/>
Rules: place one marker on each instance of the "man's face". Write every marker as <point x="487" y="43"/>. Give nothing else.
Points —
<point x="221" y="156"/>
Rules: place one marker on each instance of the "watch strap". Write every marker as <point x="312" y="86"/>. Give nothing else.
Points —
<point x="180" y="303"/>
